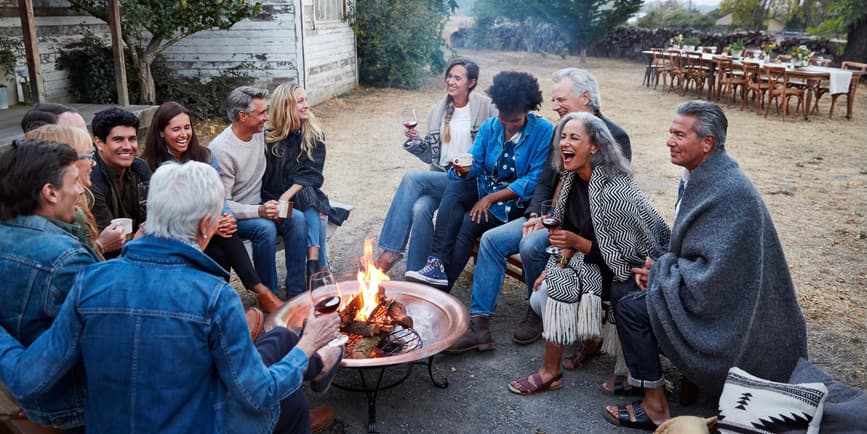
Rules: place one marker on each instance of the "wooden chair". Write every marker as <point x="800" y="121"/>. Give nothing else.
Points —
<point x="657" y="67"/>
<point x="695" y="72"/>
<point x="817" y="61"/>
<point x="779" y="89"/>
<point x="709" y="50"/>
<point x="750" y="53"/>
<point x="858" y="70"/>
<point x="782" y="58"/>
<point x="753" y="84"/>
<point x="676" y="68"/>
<point x="728" y="78"/>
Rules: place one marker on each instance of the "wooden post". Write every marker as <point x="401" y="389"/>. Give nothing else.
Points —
<point x="31" y="47"/>
<point x="117" y="52"/>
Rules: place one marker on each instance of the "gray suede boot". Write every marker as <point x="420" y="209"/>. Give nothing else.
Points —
<point x="477" y="337"/>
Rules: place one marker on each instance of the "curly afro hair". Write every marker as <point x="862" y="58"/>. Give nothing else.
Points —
<point x="515" y="92"/>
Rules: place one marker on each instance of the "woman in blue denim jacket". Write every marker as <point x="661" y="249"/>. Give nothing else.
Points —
<point x="508" y="155"/>
<point x="452" y="125"/>
<point x="162" y="336"/>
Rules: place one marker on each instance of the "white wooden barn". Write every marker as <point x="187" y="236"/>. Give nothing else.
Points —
<point x="303" y="41"/>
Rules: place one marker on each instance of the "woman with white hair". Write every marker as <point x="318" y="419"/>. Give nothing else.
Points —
<point x="162" y="336"/>
<point x="607" y="227"/>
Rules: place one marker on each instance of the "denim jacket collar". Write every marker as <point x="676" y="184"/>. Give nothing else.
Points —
<point x="169" y="252"/>
<point x="40" y="223"/>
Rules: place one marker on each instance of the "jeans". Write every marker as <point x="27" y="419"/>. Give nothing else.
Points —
<point x="640" y="348"/>
<point x="263" y="234"/>
<point x="495" y="246"/>
<point x="456" y="233"/>
<point x="295" y="408"/>
<point x="411" y="214"/>
<point x="316" y="233"/>
<point x="231" y="255"/>
<point x="294" y="233"/>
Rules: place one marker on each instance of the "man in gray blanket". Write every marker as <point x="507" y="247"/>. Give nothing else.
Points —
<point x="722" y="295"/>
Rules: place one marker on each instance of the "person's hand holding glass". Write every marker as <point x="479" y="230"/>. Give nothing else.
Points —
<point x="323" y="302"/>
<point x="551" y="222"/>
<point x="410" y="122"/>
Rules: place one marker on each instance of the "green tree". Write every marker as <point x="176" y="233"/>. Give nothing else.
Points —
<point x="849" y="17"/>
<point x="753" y="13"/>
<point x="149" y="27"/>
<point x="583" y="22"/>
<point x="398" y="39"/>
<point x="671" y="13"/>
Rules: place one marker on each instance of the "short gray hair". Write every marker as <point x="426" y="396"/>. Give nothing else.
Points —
<point x="179" y="196"/>
<point x="241" y="100"/>
<point x="608" y="156"/>
<point x="710" y="121"/>
<point x="582" y="82"/>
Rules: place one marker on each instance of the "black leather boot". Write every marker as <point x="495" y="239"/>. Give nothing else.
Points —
<point x="477" y="337"/>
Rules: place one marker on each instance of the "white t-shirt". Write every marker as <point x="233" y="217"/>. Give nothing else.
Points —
<point x="461" y="138"/>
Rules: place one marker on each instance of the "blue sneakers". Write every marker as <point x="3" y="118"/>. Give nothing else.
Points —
<point x="433" y="273"/>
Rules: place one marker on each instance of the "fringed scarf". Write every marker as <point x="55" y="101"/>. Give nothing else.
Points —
<point x="627" y="230"/>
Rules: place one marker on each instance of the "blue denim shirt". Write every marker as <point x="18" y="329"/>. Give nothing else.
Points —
<point x="165" y="347"/>
<point x="38" y="262"/>
<point x="531" y="153"/>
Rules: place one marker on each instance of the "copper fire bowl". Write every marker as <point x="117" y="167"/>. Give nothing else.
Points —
<point x="439" y="318"/>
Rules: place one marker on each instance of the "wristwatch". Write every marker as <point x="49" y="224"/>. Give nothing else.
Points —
<point x="563" y="260"/>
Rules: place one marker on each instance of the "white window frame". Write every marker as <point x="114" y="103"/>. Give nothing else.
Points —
<point x="335" y="11"/>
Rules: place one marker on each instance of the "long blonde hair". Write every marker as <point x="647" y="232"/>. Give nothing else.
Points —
<point x="80" y="141"/>
<point x="282" y="121"/>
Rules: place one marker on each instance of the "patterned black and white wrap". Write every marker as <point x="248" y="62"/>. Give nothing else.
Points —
<point x="627" y="229"/>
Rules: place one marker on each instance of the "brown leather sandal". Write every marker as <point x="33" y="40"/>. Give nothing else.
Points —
<point x="582" y="355"/>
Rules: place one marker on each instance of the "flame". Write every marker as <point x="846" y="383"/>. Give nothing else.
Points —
<point x="369" y="278"/>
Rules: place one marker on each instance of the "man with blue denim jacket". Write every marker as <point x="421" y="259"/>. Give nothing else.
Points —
<point x="162" y="336"/>
<point x="40" y="254"/>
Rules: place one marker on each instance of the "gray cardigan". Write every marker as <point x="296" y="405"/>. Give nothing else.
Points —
<point x="427" y="149"/>
<point x="722" y="296"/>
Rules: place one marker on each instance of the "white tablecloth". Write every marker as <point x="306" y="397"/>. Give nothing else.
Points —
<point x="840" y="78"/>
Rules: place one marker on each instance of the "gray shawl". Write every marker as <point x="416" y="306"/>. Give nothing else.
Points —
<point x="723" y="296"/>
<point x="627" y="228"/>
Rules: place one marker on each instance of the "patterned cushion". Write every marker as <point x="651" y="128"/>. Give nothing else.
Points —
<point x="752" y="405"/>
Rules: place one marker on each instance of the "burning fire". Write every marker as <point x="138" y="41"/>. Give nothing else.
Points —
<point x="369" y="278"/>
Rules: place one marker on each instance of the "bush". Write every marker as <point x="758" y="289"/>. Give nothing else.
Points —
<point x="399" y="40"/>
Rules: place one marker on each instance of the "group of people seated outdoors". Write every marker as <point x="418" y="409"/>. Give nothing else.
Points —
<point x="107" y="326"/>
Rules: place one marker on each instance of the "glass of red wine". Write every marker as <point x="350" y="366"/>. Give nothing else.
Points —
<point x="324" y="302"/>
<point x="409" y="119"/>
<point x="551" y="222"/>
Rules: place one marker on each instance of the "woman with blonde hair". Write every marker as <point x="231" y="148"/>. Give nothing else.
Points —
<point x="295" y="155"/>
<point x="112" y="237"/>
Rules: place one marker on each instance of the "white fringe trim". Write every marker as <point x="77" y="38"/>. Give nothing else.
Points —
<point x="589" y="317"/>
<point x="610" y="339"/>
<point x="561" y="322"/>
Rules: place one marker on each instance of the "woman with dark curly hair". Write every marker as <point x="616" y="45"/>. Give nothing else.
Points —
<point x="507" y="158"/>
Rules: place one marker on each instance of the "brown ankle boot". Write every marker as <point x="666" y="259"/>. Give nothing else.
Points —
<point x="529" y="330"/>
<point x="321" y="418"/>
<point x="268" y="302"/>
<point x="477" y="337"/>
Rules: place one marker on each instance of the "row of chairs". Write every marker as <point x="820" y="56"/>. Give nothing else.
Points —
<point x="749" y="81"/>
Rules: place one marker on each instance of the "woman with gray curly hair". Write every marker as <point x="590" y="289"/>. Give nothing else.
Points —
<point x="607" y="226"/>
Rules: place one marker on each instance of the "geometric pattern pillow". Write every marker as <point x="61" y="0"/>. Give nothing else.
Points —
<point x="750" y="404"/>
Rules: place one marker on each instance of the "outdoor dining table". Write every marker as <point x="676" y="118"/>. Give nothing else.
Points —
<point x="812" y="76"/>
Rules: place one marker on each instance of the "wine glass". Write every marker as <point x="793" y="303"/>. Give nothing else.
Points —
<point x="409" y="119"/>
<point x="323" y="303"/>
<point x="551" y="222"/>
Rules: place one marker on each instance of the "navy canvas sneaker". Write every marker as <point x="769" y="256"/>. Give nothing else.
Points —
<point x="433" y="273"/>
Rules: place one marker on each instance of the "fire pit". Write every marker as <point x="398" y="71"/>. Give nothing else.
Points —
<point x="439" y="319"/>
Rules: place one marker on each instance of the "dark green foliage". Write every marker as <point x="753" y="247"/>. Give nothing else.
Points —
<point x="91" y="74"/>
<point x="586" y="22"/>
<point x="672" y="14"/>
<point x="10" y="50"/>
<point x="399" y="40"/>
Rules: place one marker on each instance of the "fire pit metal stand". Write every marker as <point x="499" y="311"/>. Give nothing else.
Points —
<point x="439" y="319"/>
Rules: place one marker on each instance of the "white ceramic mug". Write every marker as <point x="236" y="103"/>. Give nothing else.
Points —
<point x="125" y="223"/>
<point x="463" y="160"/>
<point x="284" y="209"/>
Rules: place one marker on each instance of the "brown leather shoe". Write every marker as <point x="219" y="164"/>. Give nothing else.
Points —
<point x="268" y="302"/>
<point x="321" y="418"/>
<point x="477" y="337"/>
<point x="386" y="260"/>
<point x="529" y="329"/>
<point x="255" y="322"/>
